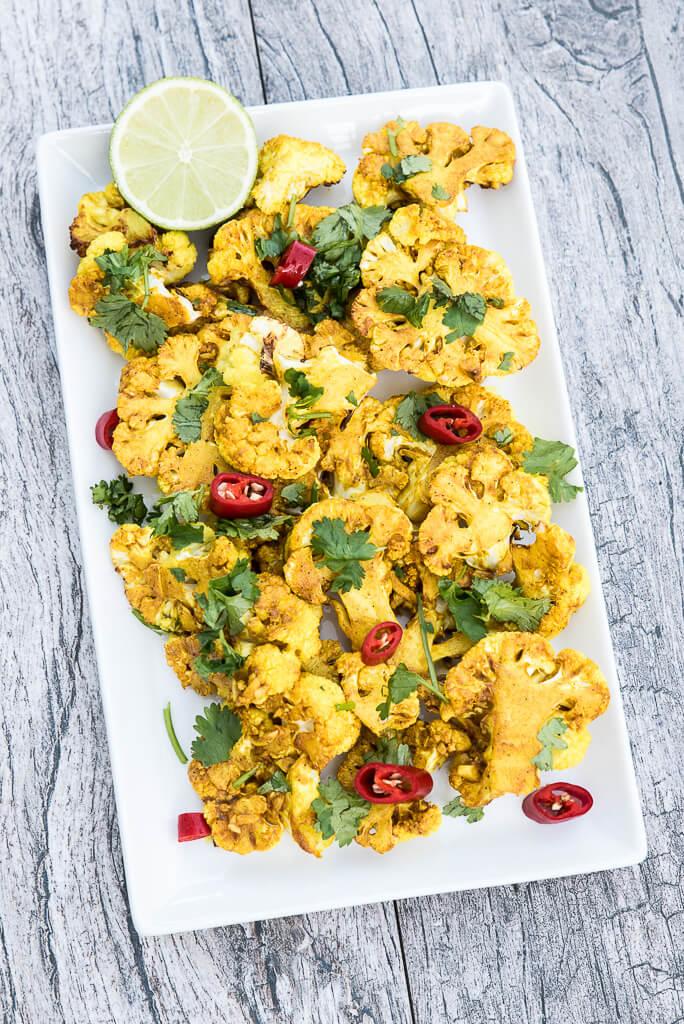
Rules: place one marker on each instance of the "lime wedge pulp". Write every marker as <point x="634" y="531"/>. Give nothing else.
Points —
<point x="183" y="153"/>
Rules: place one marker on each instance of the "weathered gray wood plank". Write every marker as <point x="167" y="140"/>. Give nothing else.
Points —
<point x="68" y="951"/>
<point x="596" y="86"/>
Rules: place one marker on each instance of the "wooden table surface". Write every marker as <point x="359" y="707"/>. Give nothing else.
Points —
<point x="595" y="82"/>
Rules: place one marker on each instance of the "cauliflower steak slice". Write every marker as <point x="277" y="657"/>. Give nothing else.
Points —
<point x="291" y="167"/>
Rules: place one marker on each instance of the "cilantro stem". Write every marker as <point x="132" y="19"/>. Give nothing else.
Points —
<point x="291" y="212"/>
<point x="241" y="779"/>
<point x="171" y="733"/>
<point x="434" y="688"/>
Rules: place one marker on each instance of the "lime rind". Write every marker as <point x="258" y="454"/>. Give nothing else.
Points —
<point x="215" y="180"/>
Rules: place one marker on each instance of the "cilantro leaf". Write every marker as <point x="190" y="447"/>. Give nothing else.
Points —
<point x="184" y="534"/>
<point x="554" y="460"/>
<point x="129" y="324"/>
<point x="397" y="300"/>
<point x="351" y="397"/>
<point x="227" y="663"/>
<point x="550" y="737"/>
<point x="245" y="777"/>
<point x="388" y="750"/>
<point x="457" y="809"/>
<point x="276" y="784"/>
<point x="229" y="598"/>
<point x="406" y="168"/>
<point x="122" y="505"/>
<point x="188" y="412"/>
<point x="240" y="307"/>
<point x="296" y="497"/>
<point x="179" y="574"/>
<point x="492" y="300"/>
<point x="338" y="812"/>
<point x="412" y="407"/>
<point x="150" y="625"/>
<point x="263" y="527"/>
<point x="400" y="685"/>
<point x="272" y="248"/>
<point x="505" y="603"/>
<point x="506" y="361"/>
<point x="465" y="609"/>
<point x="174" y="509"/>
<point x="256" y="418"/>
<point x="305" y="394"/>
<point x="218" y="731"/>
<point x="503" y="437"/>
<point x="121" y="267"/>
<point x="370" y="460"/>
<point x="342" y="552"/>
<point x="425" y="628"/>
<point x="439" y="192"/>
<point x="464" y="314"/>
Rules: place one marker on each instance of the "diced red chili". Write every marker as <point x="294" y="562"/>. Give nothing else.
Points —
<point x="381" y="643"/>
<point x="450" y="424"/>
<point x="105" y="427"/>
<point x="391" y="783"/>
<point x="558" y="801"/>
<point x="192" y="826"/>
<point x="293" y="265"/>
<point x="239" y="495"/>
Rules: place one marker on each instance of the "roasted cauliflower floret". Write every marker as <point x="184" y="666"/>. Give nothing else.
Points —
<point x="505" y="689"/>
<point x="86" y="289"/>
<point x="345" y="339"/>
<point x="181" y="652"/>
<point x="290" y="167"/>
<point x="385" y="825"/>
<point x="267" y="673"/>
<point x="181" y="256"/>
<point x="358" y="608"/>
<point x="323" y="730"/>
<point x="234" y="259"/>
<point x="246" y="823"/>
<point x="145" y="560"/>
<point x="547" y="568"/>
<point x="504" y="340"/>
<point x="146" y="441"/>
<point x="477" y="498"/>
<point x="433" y="743"/>
<point x="457" y="160"/>
<point x="366" y="687"/>
<point x="280" y="617"/>
<point x="303" y="780"/>
<point x="100" y="212"/>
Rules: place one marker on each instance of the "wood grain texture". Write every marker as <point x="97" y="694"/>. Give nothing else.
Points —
<point x="596" y="85"/>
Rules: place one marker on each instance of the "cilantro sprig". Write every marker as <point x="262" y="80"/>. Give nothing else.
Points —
<point x="403" y="683"/>
<point x="125" y="266"/>
<point x="388" y="750"/>
<point x="229" y="598"/>
<point x="305" y="395"/>
<point x="264" y="527"/>
<point x="188" y="412"/>
<point x="276" y="784"/>
<point x="123" y="506"/>
<point x="370" y="460"/>
<point x="129" y="324"/>
<point x="176" y="515"/>
<point x="551" y="738"/>
<point x="342" y="552"/>
<point x="554" y="460"/>
<point x="457" y="809"/>
<point x="406" y="168"/>
<point x="397" y="300"/>
<point x="339" y="812"/>
<point x="412" y="407"/>
<point x="494" y="599"/>
<point x="297" y="497"/>
<point x="218" y="732"/>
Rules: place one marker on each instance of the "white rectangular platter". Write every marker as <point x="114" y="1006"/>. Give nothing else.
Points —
<point x="174" y="887"/>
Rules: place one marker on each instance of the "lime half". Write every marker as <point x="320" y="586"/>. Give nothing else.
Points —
<point x="183" y="153"/>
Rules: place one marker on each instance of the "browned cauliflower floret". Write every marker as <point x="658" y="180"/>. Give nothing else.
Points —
<point x="477" y="498"/>
<point x="505" y="689"/>
<point x="100" y="212"/>
<point x="323" y="730"/>
<point x="345" y="339"/>
<point x="456" y="161"/>
<point x="86" y="288"/>
<point x="290" y="167"/>
<point x="247" y="823"/>
<point x="433" y="743"/>
<point x="385" y="825"/>
<point x="145" y="560"/>
<point x="303" y="781"/>
<point x="547" y="568"/>
<point x="181" y="652"/>
<point x="181" y="256"/>
<point x="146" y="441"/>
<point x="280" y="617"/>
<point x="268" y="672"/>
<point x="362" y="607"/>
<point x="234" y="259"/>
<point x="366" y="687"/>
<point x="504" y="341"/>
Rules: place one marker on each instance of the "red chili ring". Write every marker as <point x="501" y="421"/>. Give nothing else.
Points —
<point x="443" y="422"/>
<point x="556" y="802"/>
<point x="192" y="825"/>
<point x="381" y="643"/>
<point x="229" y="495"/>
<point x="391" y="783"/>
<point x="294" y="265"/>
<point x="105" y="427"/>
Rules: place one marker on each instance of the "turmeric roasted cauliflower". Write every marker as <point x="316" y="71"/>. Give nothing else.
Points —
<point x="502" y="693"/>
<point x="385" y="825"/>
<point x="100" y="212"/>
<point x="547" y="568"/>
<point x="290" y="167"/>
<point x="444" y="311"/>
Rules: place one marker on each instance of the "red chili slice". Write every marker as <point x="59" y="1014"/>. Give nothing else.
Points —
<point x="104" y="429"/>
<point x="293" y="265"/>
<point x="450" y="424"/>
<point x="239" y="495"/>
<point x="381" y="643"/>
<point x="192" y="826"/>
<point x="558" y="801"/>
<point x="391" y="783"/>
